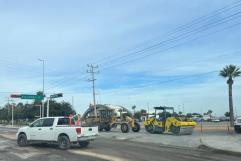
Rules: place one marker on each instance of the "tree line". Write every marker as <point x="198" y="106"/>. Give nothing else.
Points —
<point x="31" y="111"/>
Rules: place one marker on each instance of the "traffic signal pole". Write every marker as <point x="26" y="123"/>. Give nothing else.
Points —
<point x="48" y="98"/>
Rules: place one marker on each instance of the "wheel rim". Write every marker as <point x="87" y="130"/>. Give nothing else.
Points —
<point x="63" y="142"/>
<point x="21" y="140"/>
<point x="124" y="128"/>
<point x="135" y="128"/>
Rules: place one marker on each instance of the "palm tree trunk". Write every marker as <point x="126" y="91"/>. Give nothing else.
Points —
<point x="231" y="104"/>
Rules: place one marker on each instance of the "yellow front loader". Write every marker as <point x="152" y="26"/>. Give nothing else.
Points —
<point x="165" y="121"/>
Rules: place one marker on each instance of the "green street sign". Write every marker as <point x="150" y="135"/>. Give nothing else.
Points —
<point x="34" y="97"/>
<point x="56" y="95"/>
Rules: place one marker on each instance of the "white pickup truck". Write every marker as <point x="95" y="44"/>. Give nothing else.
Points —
<point x="56" y="129"/>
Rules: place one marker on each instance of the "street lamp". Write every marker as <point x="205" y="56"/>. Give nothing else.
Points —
<point x="42" y="60"/>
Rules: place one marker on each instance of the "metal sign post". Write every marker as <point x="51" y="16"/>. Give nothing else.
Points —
<point x="51" y="97"/>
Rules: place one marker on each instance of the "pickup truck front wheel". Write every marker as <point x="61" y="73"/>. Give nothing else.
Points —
<point x="22" y="140"/>
<point x="63" y="142"/>
<point x="84" y="144"/>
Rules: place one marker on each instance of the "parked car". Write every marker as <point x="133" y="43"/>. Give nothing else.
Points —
<point x="215" y="119"/>
<point x="237" y="125"/>
<point x="56" y="130"/>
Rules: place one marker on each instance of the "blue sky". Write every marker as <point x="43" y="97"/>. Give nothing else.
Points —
<point x="148" y="52"/>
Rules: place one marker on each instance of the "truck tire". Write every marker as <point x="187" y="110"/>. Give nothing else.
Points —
<point x="84" y="144"/>
<point x="136" y="127"/>
<point x="22" y="140"/>
<point x="63" y="142"/>
<point x="125" y="128"/>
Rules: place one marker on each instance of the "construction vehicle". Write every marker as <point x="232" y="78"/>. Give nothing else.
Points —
<point x="165" y="121"/>
<point x="108" y="118"/>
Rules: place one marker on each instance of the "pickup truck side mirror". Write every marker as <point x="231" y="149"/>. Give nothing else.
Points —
<point x="30" y="125"/>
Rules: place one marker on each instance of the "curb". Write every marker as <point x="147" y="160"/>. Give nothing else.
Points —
<point x="10" y="127"/>
<point x="203" y="146"/>
<point x="219" y="151"/>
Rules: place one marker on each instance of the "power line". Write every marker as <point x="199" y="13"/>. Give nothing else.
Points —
<point x="188" y="25"/>
<point x="167" y="49"/>
<point x="179" y="37"/>
<point x="196" y="22"/>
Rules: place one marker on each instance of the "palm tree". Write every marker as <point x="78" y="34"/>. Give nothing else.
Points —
<point x="230" y="72"/>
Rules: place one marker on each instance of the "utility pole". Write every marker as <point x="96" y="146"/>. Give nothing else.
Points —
<point x="93" y="70"/>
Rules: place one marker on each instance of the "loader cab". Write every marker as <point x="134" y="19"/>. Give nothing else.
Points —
<point x="105" y="115"/>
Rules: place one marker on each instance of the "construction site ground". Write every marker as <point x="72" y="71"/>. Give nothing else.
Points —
<point x="210" y="135"/>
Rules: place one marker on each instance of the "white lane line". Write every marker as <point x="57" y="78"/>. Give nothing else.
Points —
<point x="3" y="141"/>
<point x="100" y="156"/>
<point x="3" y="147"/>
<point x="26" y="155"/>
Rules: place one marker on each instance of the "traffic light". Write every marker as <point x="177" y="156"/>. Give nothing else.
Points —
<point x="60" y="94"/>
<point x="15" y="95"/>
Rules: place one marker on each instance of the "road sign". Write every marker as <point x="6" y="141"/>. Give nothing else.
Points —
<point x="35" y="97"/>
<point x="56" y="95"/>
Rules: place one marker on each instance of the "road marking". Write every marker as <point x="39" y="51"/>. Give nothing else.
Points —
<point x="3" y="141"/>
<point x="100" y="156"/>
<point x="3" y="147"/>
<point x="23" y="154"/>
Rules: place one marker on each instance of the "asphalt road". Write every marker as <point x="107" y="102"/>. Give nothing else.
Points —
<point x="108" y="149"/>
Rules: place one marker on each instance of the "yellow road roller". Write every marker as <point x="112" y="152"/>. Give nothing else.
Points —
<point x="164" y="121"/>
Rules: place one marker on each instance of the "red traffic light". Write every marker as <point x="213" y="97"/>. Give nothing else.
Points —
<point x="15" y="96"/>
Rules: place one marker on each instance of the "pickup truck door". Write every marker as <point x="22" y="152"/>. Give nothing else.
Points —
<point x="48" y="130"/>
<point x="42" y="129"/>
<point x="35" y="130"/>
